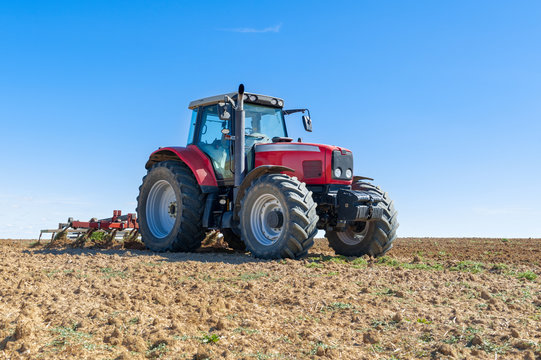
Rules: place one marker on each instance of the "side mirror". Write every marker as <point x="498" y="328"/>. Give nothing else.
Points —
<point x="224" y="111"/>
<point x="307" y="123"/>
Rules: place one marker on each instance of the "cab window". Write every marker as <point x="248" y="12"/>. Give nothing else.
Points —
<point x="193" y="121"/>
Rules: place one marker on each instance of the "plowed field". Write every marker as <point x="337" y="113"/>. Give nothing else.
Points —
<point x="429" y="298"/>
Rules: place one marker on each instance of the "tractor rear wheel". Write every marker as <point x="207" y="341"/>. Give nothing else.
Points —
<point x="372" y="238"/>
<point x="278" y="217"/>
<point x="233" y="240"/>
<point x="170" y="208"/>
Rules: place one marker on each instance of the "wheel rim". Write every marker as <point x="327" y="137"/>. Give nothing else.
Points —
<point x="263" y="231"/>
<point x="161" y="209"/>
<point x="352" y="238"/>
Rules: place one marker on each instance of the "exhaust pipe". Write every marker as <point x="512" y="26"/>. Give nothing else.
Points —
<point x="239" y="139"/>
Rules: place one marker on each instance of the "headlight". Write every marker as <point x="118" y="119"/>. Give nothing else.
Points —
<point x="337" y="172"/>
<point x="253" y="98"/>
<point x="349" y="173"/>
<point x="274" y="101"/>
<point x="280" y="103"/>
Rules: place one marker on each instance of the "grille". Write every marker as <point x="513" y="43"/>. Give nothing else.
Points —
<point x="312" y="169"/>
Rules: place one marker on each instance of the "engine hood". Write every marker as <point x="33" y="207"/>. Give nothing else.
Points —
<point x="312" y="162"/>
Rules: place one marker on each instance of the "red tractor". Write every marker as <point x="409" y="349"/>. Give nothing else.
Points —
<point x="241" y="174"/>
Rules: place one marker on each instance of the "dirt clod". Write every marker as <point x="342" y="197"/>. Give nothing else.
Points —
<point x="371" y="337"/>
<point x="446" y="349"/>
<point x="22" y="330"/>
<point x="485" y="295"/>
<point x="135" y="343"/>
<point x="477" y="340"/>
<point x="523" y="345"/>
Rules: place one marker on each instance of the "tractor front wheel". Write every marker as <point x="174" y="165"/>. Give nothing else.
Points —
<point x="372" y="238"/>
<point x="170" y="208"/>
<point x="278" y="217"/>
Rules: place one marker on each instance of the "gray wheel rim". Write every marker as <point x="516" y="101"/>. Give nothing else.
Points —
<point x="351" y="238"/>
<point x="263" y="233"/>
<point x="161" y="209"/>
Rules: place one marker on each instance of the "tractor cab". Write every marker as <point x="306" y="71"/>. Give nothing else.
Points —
<point x="212" y="129"/>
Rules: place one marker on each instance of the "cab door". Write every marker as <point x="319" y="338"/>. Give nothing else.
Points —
<point x="213" y="142"/>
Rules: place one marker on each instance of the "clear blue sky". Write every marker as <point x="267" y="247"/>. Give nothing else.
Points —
<point x="440" y="101"/>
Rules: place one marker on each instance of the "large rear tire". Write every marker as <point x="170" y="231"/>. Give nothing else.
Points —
<point x="278" y="217"/>
<point x="372" y="238"/>
<point x="170" y="208"/>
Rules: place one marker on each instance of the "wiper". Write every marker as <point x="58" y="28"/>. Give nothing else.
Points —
<point x="292" y="111"/>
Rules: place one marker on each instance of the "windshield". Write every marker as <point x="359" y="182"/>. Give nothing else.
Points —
<point x="263" y="123"/>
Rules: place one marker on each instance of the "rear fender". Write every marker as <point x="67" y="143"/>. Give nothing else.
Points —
<point x="194" y="158"/>
<point x="251" y="176"/>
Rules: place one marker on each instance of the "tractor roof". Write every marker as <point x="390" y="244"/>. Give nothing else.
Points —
<point x="259" y="99"/>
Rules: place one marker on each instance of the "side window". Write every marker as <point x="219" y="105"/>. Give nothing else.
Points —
<point x="192" y="126"/>
<point x="213" y="143"/>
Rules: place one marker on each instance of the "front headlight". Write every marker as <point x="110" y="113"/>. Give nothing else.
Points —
<point x="337" y="172"/>
<point x="349" y="173"/>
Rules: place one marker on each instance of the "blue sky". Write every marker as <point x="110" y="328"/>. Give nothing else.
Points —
<point x="439" y="101"/>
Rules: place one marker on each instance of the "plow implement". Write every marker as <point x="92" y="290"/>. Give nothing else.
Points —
<point x="118" y="225"/>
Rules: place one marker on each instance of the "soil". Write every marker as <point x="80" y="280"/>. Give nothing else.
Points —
<point x="428" y="298"/>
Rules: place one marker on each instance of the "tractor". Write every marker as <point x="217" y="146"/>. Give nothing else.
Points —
<point x="241" y="174"/>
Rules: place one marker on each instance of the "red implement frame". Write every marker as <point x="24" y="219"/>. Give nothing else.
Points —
<point x="112" y="225"/>
<point x="117" y="222"/>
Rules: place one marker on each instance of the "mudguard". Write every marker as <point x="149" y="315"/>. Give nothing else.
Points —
<point x="194" y="158"/>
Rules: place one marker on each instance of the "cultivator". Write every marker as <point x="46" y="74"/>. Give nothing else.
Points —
<point x="117" y="225"/>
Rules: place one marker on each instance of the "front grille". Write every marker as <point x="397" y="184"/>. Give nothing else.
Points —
<point x="312" y="169"/>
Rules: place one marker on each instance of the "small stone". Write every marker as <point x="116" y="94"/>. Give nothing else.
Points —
<point x="515" y="333"/>
<point x="397" y="317"/>
<point x="416" y="259"/>
<point x="446" y="349"/>
<point x="399" y="294"/>
<point x="371" y="337"/>
<point x="320" y="351"/>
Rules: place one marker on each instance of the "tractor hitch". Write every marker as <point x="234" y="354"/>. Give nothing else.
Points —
<point x="354" y="205"/>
